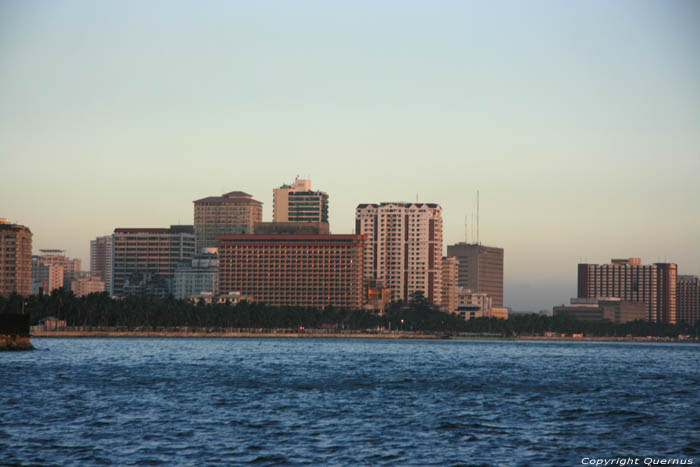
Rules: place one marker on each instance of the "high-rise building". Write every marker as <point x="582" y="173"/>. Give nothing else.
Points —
<point x="231" y="213"/>
<point x="404" y="247"/>
<point x="15" y="259"/>
<point x="450" y="284"/>
<point x="47" y="276"/>
<point x="145" y="259"/>
<point x="688" y="299"/>
<point x="70" y="266"/>
<point x="628" y="279"/>
<point x="198" y="276"/>
<point x="101" y="260"/>
<point x="296" y="270"/>
<point x="297" y="203"/>
<point x="480" y="269"/>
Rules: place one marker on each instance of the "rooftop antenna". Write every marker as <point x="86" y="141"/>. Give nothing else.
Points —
<point x="478" y="242"/>
<point x="466" y="238"/>
<point x="416" y="197"/>
<point x="472" y="226"/>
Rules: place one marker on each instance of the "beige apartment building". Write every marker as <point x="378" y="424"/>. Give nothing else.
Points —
<point x="450" y="284"/>
<point x="297" y="203"/>
<point x="46" y="276"/>
<point x="15" y="259"/>
<point x="628" y="279"/>
<point x="231" y="213"/>
<point x="70" y="266"/>
<point x="480" y="269"/>
<point x="403" y="251"/>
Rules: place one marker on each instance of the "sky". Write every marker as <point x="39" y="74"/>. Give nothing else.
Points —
<point x="578" y="122"/>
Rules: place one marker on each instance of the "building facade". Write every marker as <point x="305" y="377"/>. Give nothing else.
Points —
<point x="480" y="269"/>
<point x="144" y="260"/>
<point x="70" y="266"/>
<point x="603" y="309"/>
<point x="101" y="260"/>
<point x="295" y="270"/>
<point x="292" y="228"/>
<point x="86" y="285"/>
<point x="404" y="247"/>
<point x="298" y="203"/>
<point x="472" y="304"/>
<point x="688" y="299"/>
<point x="46" y="276"/>
<point x="231" y="213"/>
<point x="628" y="279"/>
<point x="198" y="276"/>
<point x="15" y="259"/>
<point x="450" y="284"/>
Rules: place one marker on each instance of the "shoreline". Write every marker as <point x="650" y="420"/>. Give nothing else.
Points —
<point x="336" y="335"/>
<point x="217" y="334"/>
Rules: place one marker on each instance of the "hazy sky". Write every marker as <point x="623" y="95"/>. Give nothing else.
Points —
<point x="579" y="122"/>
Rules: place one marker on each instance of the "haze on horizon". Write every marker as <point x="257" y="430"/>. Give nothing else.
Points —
<point x="577" y="122"/>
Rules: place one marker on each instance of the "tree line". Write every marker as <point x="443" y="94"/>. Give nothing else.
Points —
<point x="100" y="310"/>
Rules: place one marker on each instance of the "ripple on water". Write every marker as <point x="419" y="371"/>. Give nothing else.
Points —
<point x="268" y="402"/>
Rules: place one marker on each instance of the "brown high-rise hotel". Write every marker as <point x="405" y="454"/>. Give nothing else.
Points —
<point x="231" y="213"/>
<point x="480" y="269"/>
<point x="297" y="270"/>
<point x="15" y="259"/>
<point x="628" y="279"/>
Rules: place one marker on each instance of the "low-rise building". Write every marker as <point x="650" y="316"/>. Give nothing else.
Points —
<point x="198" y="275"/>
<point x="473" y="304"/>
<point x="500" y="313"/>
<point x="86" y="284"/>
<point x="603" y="309"/>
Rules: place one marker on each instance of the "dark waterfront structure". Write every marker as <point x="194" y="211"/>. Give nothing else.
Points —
<point x="628" y="279"/>
<point x="480" y="269"/>
<point x="14" y="332"/>
<point x="145" y="259"/>
<point x="688" y="299"/>
<point x="296" y="270"/>
<point x="15" y="259"/>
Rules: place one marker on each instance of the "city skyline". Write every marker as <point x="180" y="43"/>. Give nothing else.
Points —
<point x="582" y="141"/>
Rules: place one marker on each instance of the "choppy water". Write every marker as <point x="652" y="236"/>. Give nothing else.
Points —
<point x="346" y="402"/>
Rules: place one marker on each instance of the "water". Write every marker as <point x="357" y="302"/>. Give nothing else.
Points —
<point x="346" y="402"/>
